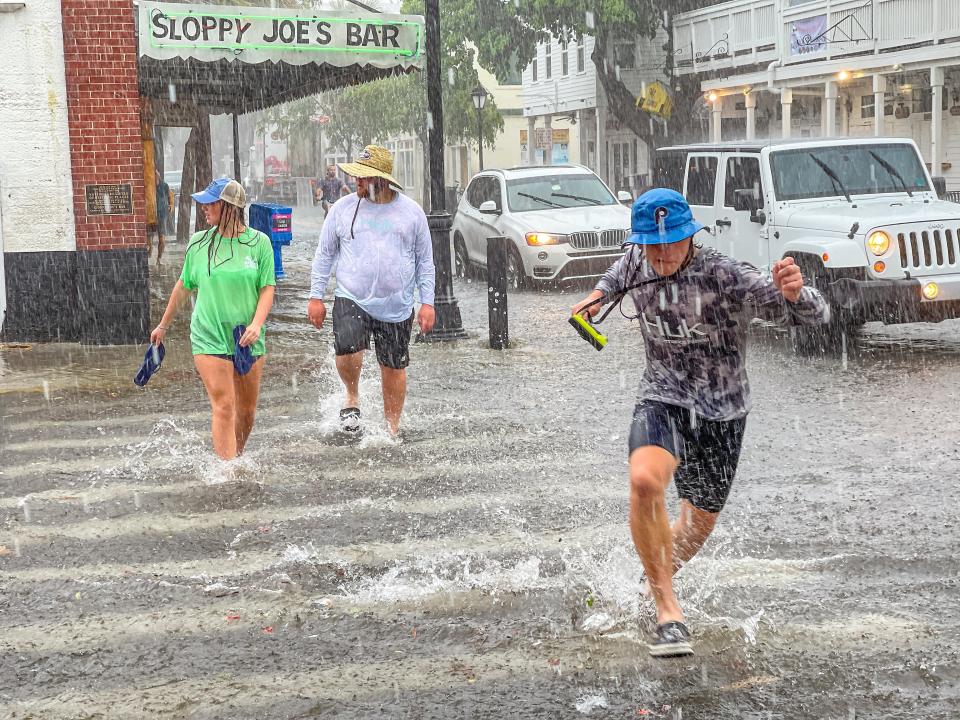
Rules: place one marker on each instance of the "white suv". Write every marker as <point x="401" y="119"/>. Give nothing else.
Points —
<point x="861" y="216"/>
<point x="565" y="223"/>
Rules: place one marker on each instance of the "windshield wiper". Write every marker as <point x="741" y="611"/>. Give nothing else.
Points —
<point x="540" y="199"/>
<point x="891" y="170"/>
<point x="832" y="175"/>
<point x="593" y="201"/>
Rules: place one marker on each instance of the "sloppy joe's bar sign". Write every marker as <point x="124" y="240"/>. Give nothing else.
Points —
<point x="255" y="34"/>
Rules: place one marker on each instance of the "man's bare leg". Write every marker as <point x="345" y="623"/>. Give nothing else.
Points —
<point x="690" y="532"/>
<point x="651" y="469"/>
<point x="349" y="367"/>
<point x="394" y="393"/>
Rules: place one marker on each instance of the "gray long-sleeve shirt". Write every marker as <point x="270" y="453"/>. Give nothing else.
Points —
<point x="694" y="326"/>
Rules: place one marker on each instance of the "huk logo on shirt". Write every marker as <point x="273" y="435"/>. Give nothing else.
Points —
<point x="681" y="331"/>
<point x="249" y="263"/>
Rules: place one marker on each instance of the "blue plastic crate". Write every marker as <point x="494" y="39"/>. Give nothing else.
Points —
<point x="276" y="222"/>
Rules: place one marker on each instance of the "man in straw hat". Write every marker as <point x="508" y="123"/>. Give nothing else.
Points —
<point x="379" y="241"/>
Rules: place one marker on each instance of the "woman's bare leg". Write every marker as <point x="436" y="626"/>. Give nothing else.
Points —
<point x="217" y="375"/>
<point x="247" y="389"/>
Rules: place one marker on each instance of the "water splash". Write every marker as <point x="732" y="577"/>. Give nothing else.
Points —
<point x="587" y="703"/>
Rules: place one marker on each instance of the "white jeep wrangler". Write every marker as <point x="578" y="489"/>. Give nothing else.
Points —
<point x="861" y="216"/>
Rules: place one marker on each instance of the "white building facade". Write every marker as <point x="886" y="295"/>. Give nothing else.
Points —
<point x="36" y="213"/>
<point x="809" y="68"/>
<point x="567" y="114"/>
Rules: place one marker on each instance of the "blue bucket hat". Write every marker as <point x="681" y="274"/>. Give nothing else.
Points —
<point x="242" y="356"/>
<point x="152" y="360"/>
<point x="661" y="217"/>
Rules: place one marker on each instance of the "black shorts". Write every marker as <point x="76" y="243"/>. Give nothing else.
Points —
<point x="353" y="326"/>
<point x="707" y="450"/>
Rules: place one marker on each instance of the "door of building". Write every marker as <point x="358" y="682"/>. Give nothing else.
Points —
<point x="622" y="169"/>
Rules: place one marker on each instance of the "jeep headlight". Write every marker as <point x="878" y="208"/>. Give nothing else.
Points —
<point x="878" y="242"/>
<point x="538" y="239"/>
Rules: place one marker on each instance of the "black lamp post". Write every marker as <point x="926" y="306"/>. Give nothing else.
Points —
<point x="449" y="325"/>
<point x="479" y="96"/>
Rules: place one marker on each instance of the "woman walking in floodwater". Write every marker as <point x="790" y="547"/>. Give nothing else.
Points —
<point x="230" y="266"/>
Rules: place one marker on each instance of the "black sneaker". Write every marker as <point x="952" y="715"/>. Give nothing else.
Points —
<point x="673" y="640"/>
<point x="350" y="419"/>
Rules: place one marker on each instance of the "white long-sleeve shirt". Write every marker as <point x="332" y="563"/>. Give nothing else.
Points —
<point x="381" y="260"/>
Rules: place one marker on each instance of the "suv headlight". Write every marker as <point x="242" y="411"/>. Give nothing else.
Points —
<point x="878" y="242"/>
<point x="537" y="239"/>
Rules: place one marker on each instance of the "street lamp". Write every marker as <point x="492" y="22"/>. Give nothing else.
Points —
<point x="449" y="325"/>
<point x="479" y="96"/>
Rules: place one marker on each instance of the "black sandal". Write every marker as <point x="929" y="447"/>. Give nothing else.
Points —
<point x="350" y="419"/>
<point x="673" y="640"/>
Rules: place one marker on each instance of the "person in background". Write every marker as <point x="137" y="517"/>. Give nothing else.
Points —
<point x="380" y="242"/>
<point x="163" y="216"/>
<point x="331" y="189"/>
<point x="230" y="267"/>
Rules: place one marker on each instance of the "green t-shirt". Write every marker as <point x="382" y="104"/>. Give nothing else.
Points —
<point x="227" y="294"/>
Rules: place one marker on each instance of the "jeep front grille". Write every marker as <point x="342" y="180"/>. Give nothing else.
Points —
<point x="583" y="240"/>
<point x="928" y="249"/>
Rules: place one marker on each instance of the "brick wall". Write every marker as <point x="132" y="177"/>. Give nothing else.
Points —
<point x="100" y="53"/>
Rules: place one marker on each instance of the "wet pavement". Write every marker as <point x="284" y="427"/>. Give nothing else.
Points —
<point x="481" y="567"/>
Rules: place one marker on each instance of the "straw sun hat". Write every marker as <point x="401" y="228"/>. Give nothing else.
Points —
<point x="374" y="161"/>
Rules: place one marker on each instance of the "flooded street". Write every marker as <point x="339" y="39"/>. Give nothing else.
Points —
<point x="482" y="567"/>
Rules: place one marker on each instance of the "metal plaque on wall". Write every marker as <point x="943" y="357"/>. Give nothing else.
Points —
<point x="109" y="199"/>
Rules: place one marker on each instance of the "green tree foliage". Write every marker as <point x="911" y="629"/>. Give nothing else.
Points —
<point x="383" y="109"/>
<point x="506" y="32"/>
<point x="358" y="116"/>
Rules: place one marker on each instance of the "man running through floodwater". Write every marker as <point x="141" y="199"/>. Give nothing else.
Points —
<point x="694" y="309"/>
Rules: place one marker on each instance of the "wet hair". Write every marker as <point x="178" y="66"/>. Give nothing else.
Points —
<point x="230" y="216"/>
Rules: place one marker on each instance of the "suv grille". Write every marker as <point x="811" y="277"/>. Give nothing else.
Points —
<point x="584" y="240"/>
<point x="613" y="238"/>
<point x="928" y="249"/>
<point x="593" y="240"/>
